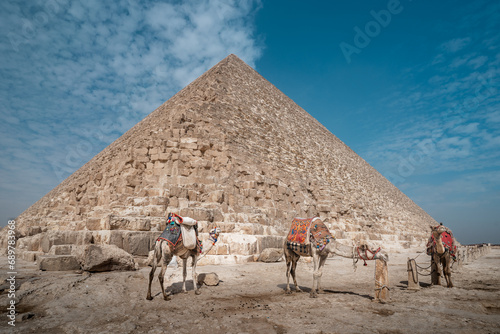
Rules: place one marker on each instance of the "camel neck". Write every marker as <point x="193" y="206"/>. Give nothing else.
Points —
<point x="339" y="249"/>
<point x="439" y="243"/>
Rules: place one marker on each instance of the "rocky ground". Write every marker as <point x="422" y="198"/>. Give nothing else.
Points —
<point x="250" y="298"/>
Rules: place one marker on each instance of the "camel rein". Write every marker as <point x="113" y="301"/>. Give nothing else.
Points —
<point x="366" y="258"/>
<point x="213" y="237"/>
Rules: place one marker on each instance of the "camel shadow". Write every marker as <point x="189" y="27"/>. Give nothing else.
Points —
<point x="325" y="291"/>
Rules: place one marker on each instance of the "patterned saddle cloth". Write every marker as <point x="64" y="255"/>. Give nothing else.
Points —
<point x="186" y="233"/>
<point x="171" y="234"/>
<point x="306" y="230"/>
<point x="448" y="243"/>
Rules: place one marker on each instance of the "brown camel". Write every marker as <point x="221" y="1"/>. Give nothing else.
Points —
<point x="320" y="254"/>
<point x="440" y="256"/>
<point x="165" y="251"/>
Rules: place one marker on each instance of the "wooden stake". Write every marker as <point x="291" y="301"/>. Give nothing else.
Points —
<point x="412" y="275"/>
<point x="381" y="281"/>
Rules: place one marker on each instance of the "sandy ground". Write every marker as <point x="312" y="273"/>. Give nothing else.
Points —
<point x="250" y="299"/>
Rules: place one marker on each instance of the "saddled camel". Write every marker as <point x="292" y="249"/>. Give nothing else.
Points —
<point x="319" y="250"/>
<point x="440" y="256"/>
<point x="164" y="251"/>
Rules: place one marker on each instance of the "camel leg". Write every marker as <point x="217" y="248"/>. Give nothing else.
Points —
<point x="288" y="259"/>
<point x="184" y="274"/>
<point x="447" y="271"/>
<point x="435" y="270"/>
<point x="166" y="260"/>
<point x="288" y="267"/>
<point x="195" y="278"/>
<point x="156" y="257"/>
<point x="322" y="261"/>
<point x="316" y="275"/>
<point x="151" y="276"/>
<point x="295" y="259"/>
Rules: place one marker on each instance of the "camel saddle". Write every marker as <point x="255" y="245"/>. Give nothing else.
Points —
<point x="306" y="230"/>
<point x="448" y="243"/>
<point x="186" y="231"/>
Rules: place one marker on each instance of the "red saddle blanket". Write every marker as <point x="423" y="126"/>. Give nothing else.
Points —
<point x="448" y="243"/>
<point x="305" y="230"/>
<point x="299" y="231"/>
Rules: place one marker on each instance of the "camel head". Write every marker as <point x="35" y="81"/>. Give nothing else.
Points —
<point x="437" y="231"/>
<point x="376" y="252"/>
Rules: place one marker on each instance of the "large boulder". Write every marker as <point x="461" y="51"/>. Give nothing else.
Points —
<point x="210" y="279"/>
<point x="271" y="255"/>
<point x="104" y="258"/>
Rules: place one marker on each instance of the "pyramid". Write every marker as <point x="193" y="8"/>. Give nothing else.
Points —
<point x="231" y="151"/>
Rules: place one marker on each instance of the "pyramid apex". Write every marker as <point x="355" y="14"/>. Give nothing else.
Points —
<point x="234" y="59"/>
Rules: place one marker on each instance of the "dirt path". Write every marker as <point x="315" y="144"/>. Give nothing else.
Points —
<point x="250" y="299"/>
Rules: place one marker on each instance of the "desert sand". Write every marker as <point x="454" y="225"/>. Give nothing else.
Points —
<point x="250" y="298"/>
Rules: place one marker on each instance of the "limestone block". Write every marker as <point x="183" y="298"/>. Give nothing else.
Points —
<point x="323" y="208"/>
<point x="30" y="256"/>
<point x="129" y="223"/>
<point x="58" y="263"/>
<point x="97" y="258"/>
<point x="64" y="238"/>
<point x="137" y="243"/>
<point x="31" y="243"/>
<point x="163" y="156"/>
<point x="171" y="143"/>
<point x="60" y="250"/>
<point x="188" y="140"/>
<point x="93" y="224"/>
<point x="188" y="146"/>
<point x="133" y="180"/>
<point x="240" y="244"/>
<point x="32" y="230"/>
<point x="109" y="238"/>
<point x="198" y="213"/>
<point x="140" y="151"/>
<point x="271" y="255"/>
<point x="270" y="241"/>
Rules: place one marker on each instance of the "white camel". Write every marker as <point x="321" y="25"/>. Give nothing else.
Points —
<point x="319" y="257"/>
<point x="163" y="251"/>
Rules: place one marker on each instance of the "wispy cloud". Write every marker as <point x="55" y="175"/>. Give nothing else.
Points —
<point x="76" y="75"/>
<point x="455" y="44"/>
<point x="452" y="117"/>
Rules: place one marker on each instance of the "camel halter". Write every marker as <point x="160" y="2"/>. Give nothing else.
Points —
<point x="213" y="236"/>
<point x="366" y="255"/>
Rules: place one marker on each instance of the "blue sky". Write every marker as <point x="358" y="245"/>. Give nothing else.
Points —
<point x="411" y="86"/>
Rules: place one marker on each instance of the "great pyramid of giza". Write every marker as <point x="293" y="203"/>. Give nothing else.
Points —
<point x="229" y="150"/>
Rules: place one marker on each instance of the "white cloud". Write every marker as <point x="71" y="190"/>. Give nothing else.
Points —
<point x="93" y="61"/>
